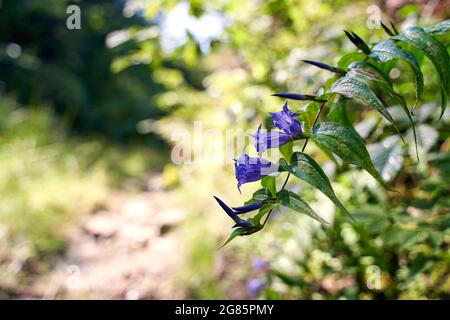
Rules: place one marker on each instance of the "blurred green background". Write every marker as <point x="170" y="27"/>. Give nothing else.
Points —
<point x="91" y="205"/>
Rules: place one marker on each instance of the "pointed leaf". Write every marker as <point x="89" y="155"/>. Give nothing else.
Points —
<point x="350" y="57"/>
<point x="304" y="167"/>
<point x="236" y="232"/>
<point x="269" y="183"/>
<point x="346" y="144"/>
<point x="435" y="51"/>
<point x="387" y="50"/>
<point x="440" y="28"/>
<point x="265" y="209"/>
<point x="351" y="87"/>
<point x="386" y="87"/>
<point x="294" y="202"/>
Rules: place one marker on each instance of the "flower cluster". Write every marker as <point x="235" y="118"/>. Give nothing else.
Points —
<point x="249" y="169"/>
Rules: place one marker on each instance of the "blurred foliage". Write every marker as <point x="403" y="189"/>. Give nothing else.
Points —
<point x="71" y="69"/>
<point x="43" y="190"/>
<point x="48" y="182"/>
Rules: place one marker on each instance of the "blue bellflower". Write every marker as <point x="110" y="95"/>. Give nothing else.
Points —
<point x="283" y="120"/>
<point x="249" y="169"/>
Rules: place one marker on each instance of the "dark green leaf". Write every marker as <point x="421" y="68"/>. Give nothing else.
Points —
<point x="304" y="167"/>
<point x="351" y="87"/>
<point x="435" y="51"/>
<point x="294" y="202"/>
<point x="386" y="87"/>
<point x="346" y="144"/>
<point x="387" y="50"/>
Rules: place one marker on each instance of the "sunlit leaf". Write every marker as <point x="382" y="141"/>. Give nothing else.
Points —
<point x="349" y="58"/>
<point x="286" y="150"/>
<point x="268" y="182"/>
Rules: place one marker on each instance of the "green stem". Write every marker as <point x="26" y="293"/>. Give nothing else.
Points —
<point x="303" y="149"/>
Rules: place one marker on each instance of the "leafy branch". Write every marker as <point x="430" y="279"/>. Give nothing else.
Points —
<point x="355" y="77"/>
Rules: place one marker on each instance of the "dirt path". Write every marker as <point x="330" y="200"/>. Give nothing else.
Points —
<point x="123" y="252"/>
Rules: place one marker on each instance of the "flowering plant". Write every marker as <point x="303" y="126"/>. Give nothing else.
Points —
<point x="359" y="75"/>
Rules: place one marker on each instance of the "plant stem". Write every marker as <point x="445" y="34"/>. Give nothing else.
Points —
<point x="303" y="149"/>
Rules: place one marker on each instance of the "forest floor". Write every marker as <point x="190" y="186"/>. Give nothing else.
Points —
<point x="124" y="251"/>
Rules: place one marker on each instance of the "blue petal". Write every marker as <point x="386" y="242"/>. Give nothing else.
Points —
<point x="285" y="120"/>
<point x="249" y="169"/>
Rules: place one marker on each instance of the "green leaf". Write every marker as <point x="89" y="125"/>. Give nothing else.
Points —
<point x="236" y="232"/>
<point x="265" y="209"/>
<point x="305" y="168"/>
<point x="262" y="194"/>
<point x="440" y="28"/>
<point x="307" y="115"/>
<point x="387" y="156"/>
<point x="268" y="182"/>
<point x="435" y="51"/>
<point x="386" y="87"/>
<point x="387" y="50"/>
<point x="346" y="144"/>
<point x="348" y="58"/>
<point x="294" y="202"/>
<point x="286" y="150"/>
<point x="338" y="113"/>
<point x="351" y="87"/>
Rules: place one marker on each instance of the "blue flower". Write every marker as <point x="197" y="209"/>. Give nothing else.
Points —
<point x="283" y="120"/>
<point x="255" y="286"/>
<point x="249" y="169"/>
<point x="260" y="265"/>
